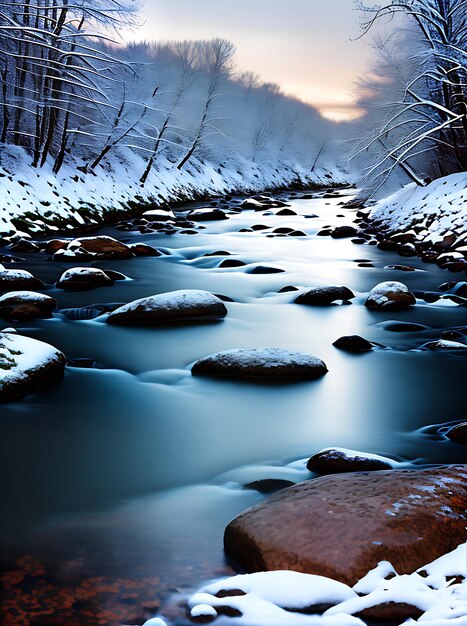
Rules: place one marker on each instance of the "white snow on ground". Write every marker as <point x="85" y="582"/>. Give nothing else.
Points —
<point x="433" y="589"/>
<point x="440" y="207"/>
<point x="75" y="196"/>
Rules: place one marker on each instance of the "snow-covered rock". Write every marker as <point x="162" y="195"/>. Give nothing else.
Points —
<point x="18" y="279"/>
<point x="337" y="460"/>
<point x="27" y="365"/>
<point x="26" y="305"/>
<point x="174" y="306"/>
<point x="445" y="344"/>
<point x="267" y="363"/>
<point x="323" y="295"/>
<point x="207" y="215"/>
<point x="83" y="279"/>
<point x="390" y="295"/>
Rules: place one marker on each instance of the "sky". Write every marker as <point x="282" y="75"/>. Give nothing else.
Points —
<point x="307" y="46"/>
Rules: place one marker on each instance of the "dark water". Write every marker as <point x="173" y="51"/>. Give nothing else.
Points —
<point x="117" y="484"/>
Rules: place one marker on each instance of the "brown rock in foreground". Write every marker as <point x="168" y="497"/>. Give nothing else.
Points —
<point x="342" y="526"/>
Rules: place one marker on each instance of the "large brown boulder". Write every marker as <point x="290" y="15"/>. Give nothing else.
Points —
<point x="343" y="525"/>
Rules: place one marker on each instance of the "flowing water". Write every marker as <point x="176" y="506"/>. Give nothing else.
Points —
<point x="118" y="483"/>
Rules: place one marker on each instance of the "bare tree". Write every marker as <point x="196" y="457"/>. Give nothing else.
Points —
<point x="54" y="68"/>
<point x="425" y="67"/>
<point x="184" y="55"/>
<point x="215" y="57"/>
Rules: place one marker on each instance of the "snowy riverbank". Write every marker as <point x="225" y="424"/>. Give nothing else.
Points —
<point x="434" y="214"/>
<point x="37" y="200"/>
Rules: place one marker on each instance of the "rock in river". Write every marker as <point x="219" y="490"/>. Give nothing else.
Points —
<point x="458" y="433"/>
<point x="342" y="232"/>
<point x="26" y="305"/>
<point x="18" y="279"/>
<point x="444" y="344"/>
<point x="339" y="460"/>
<point x="102" y="247"/>
<point x="266" y="364"/>
<point x="324" y="295"/>
<point x="353" y="343"/>
<point x="343" y="525"/>
<point x="174" y="306"/>
<point x="27" y="365"/>
<point x="83" y="279"/>
<point x="390" y="295"/>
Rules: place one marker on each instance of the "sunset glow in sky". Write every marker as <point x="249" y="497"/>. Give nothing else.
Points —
<point x="304" y="45"/>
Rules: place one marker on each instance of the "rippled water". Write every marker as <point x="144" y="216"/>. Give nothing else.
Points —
<point x="114" y="472"/>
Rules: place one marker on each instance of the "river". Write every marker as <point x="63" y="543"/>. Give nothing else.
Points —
<point x="118" y="483"/>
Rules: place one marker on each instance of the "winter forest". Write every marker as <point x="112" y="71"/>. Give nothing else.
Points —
<point x="70" y="91"/>
<point x="233" y="259"/>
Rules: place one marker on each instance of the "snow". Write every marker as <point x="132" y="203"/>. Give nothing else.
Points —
<point x="77" y="197"/>
<point x="286" y="588"/>
<point x="440" y="208"/>
<point x="203" y="609"/>
<point x="432" y="589"/>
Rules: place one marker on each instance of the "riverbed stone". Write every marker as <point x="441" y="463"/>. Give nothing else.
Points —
<point x="83" y="279"/>
<point x="102" y="246"/>
<point x="458" y="433"/>
<point x="27" y="365"/>
<point x="353" y="343"/>
<point x="265" y="269"/>
<point x="207" y="215"/>
<point x="339" y="460"/>
<point x="17" y="280"/>
<point x="175" y="306"/>
<point x="390" y="295"/>
<point x="342" y="232"/>
<point x="267" y="364"/>
<point x="444" y="344"/>
<point x="26" y="305"/>
<point x="143" y="249"/>
<point x="343" y="525"/>
<point x="324" y="295"/>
